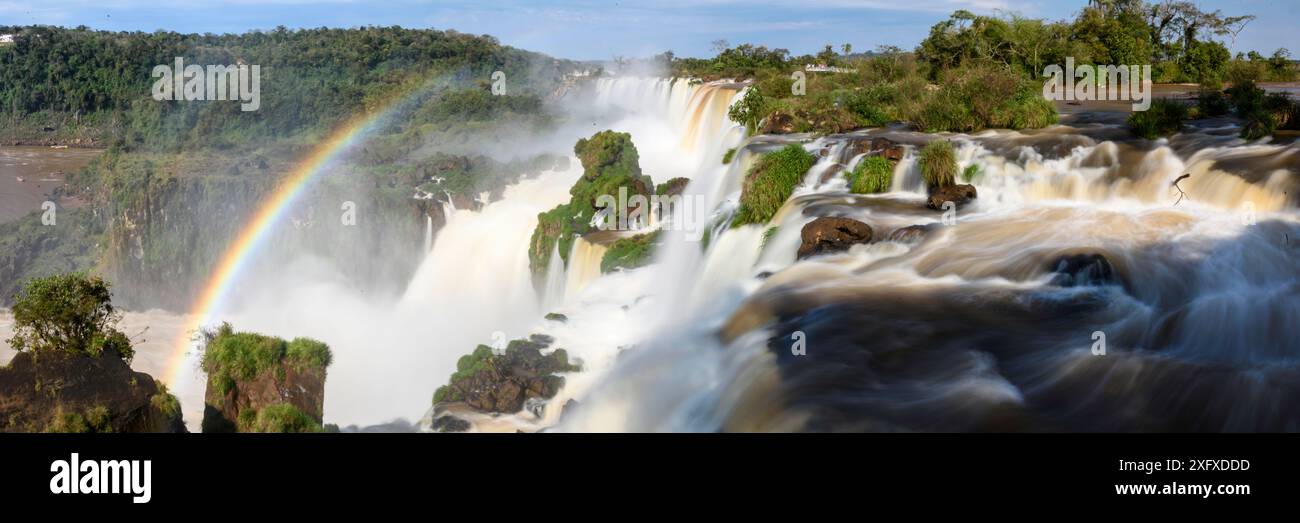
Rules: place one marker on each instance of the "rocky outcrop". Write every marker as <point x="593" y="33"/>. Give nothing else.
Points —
<point x="610" y="167"/>
<point x="1079" y="270"/>
<point x="958" y="194"/>
<point x="911" y="233"/>
<point x="878" y="146"/>
<point x="262" y="383"/>
<point x="65" y="392"/>
<point x="502" y="383"/>
<point x="449" y="423"/>
<point x="832" y="234"/>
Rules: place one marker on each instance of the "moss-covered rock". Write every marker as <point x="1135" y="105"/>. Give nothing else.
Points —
<point x="629" y="253"/>
<point x="609" y="163"/>
<point x="873" y="174"/>
<point x="68" y="392"/>
<point x="248" y="372"/>
<point x="491" y="382"/>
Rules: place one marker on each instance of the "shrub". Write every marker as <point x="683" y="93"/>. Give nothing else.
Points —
<point x="629" y="253"/>
<point x="279" y="418"/>
<point x="728" y="156"/>
<point x="230" y="356"/>
<point x="1163" y="118"/>
<point x="872" y="175"/>
<point x="938" y="163"/>
<point x="1212" y="103"/>
<point x="972" y="173"/>
<point x="770" y="182"/>
<point x="71" y="313"/>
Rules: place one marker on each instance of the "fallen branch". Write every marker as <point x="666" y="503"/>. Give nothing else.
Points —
<point x="1181" y="194"/>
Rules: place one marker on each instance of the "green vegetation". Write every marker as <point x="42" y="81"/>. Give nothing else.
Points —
<point x="1165" y="117"/>
<point x="770" y="183"/>
<point x="975" y="72"/>
<point x="96" y="420"/>
<point x="230" y="356"/>
<point x="1263" y="113"/>
<point x="972" y="174"/>
<point x="102" y="80"/>
<point x="1210" y="103"/>
<point x="609" y="163"/>
<point x="872" y="175"/>
<point x="938" y="163"/>
<point x="70" y="313"/>
<point x="767" y="236"/>
<point x="727" y="156"/>
<point x="278" y="418"/>
<point x="165" y="401"/>
<point x="629" y="253"/>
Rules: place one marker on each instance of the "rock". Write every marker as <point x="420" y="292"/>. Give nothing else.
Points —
<point x="878" y="146"/>
<point x="569" y="409"/>
<point x="959" y="194"/>
<point x="63" y="392"/>
<point x="1079" y="270"/>
<point x="555" y="316"/>
<point x="832" y="234"/>
<point x="778" y="122"/>
<point x="288" y="378"/>
<point x="911" y="233"/>
<point x="449" y="423"/>
<point x="503" y="383"/>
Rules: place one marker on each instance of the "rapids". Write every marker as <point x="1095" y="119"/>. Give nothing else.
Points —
<point x="969" y="327"/>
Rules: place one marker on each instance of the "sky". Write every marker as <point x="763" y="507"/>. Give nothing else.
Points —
<point x="600" y="30"/>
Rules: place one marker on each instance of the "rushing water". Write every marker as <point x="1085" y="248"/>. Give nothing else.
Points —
<point x="966" y="326"/>
<point x="970" y="328"/>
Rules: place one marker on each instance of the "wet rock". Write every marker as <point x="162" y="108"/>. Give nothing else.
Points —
<point x="1079" y="270"/>
<point x="878" y="146"/>
<point x="569" y="409"/>
<point x="911" y="233"/>
<point x="62" y="392"/>
<point x="958" y="194"/>
<point x="555" y="316"/>
<point x="503" y="383"/>
<point x="832" y="234"/>
<point x="449" y="423"/>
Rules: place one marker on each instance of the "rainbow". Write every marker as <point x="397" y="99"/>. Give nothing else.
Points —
<point x="249" y="240"/>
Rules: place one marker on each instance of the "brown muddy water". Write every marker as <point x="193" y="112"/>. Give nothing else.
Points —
<point x="30" y="175"/>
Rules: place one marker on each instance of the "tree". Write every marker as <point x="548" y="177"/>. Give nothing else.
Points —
<point x="847" y="48"/>
<point x="69" y="313"/>
<point x="749" y="110"/>
<point x="1205" y="62"/>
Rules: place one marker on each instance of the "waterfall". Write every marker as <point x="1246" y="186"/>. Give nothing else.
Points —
<point x="428" y="234"/>
<point x="584" y="265"/>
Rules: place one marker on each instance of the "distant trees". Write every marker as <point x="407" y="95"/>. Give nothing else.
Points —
<point x="311" y="77"/>
<point x="1175" y="36"/>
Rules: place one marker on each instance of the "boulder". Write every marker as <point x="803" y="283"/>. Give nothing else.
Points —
<point x="911" y="233"/>
<point x="503" y="383"/>
<point x="449" y="423"/>
<point x="959" y="194"/>
<point x="65" y="392"/>
<point x="832" y="234"/>
<point x="1079" y="270"/>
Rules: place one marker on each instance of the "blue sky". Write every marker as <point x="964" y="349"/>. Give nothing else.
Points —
<point x="587" y="29"/>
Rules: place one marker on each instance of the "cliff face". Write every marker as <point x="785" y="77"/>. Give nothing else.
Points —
<point x="304" y="390"/>
<point x="59" y="392"/>
<point x="260" y="383"/>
